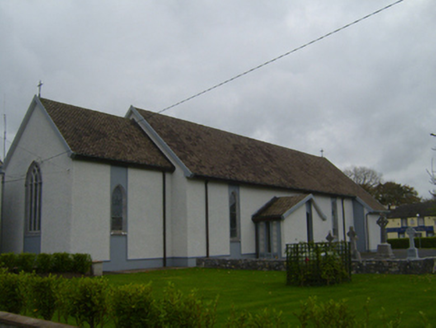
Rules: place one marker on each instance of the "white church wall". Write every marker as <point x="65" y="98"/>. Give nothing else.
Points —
<point x="56" y="212"/>
<point x="252" y="199"/>
<point x="177" y="215"/>
<point x="145" y="214"/>
<point x="90" y="228"/>
<point x="196" y="218"/>
<point x="374" y="234"/>
<point x="13" y="214"/>
<point x="38" y="142"/>
<point x="321" y="227"/>
<point x="295" y="228"/>
<point x="168" y="214"/>
<point x="349" y="220"/>
<point x="219" y="220"/>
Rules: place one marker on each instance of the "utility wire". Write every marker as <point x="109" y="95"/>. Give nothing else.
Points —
<point x="281" y="56"/>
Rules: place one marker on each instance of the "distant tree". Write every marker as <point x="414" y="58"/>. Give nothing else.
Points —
<point x="367" y="178"/>
<point x="391" y="193"/>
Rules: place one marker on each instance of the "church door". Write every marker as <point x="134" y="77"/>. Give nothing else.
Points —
<point x="269" y="240"/>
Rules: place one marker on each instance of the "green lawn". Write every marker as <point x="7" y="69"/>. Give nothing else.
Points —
<point x="256" y="290"/>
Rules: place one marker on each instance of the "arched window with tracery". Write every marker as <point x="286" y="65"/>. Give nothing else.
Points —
<point x="33" y="199"/>
<point x="118" y="210"/>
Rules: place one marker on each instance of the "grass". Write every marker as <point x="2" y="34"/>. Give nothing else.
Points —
<point x="254" y="291"/>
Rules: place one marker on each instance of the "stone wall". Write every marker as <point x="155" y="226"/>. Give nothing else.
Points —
<point x="9" y="320"/>
<point x="243" y="264"/>
<point x="385" y="266"/>
<point x="395" y="266"/>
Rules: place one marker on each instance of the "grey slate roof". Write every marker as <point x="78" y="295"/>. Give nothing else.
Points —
<point x="215" y="154"/>
<point x="277" y="207"/>
<point x="410" y="210"/>
<point x="99" y="136"/>
<point x="207" y="152"/>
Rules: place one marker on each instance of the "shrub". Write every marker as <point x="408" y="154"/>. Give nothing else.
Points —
<point x="399" y="243"/>
<point x="26" y="262"/>
<point x="311" y="263"/>
<point x="88" y="301"/>
<point x="329" y="314"/>
<point x="44" y="263"/>
<point x="8" y="261"/>
<point x="134" y="306"/>
<point x="64" y="290"/>
<point x="82" y="263"/>
<point x="62" y="262"/>
<point x="187" y="311"/>
<point x="426" y="242"/>
<point x="403" y="243"/>
<point x="266" y="318"/>
<point x="11" y="295"/>
<point x="43" y="296"/>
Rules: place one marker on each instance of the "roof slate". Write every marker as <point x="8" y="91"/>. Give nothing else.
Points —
<point x="101" y="136"/>
<point x="277" y="207"/>
<point x="213" y="153"/>
<point x="411" y="210"/>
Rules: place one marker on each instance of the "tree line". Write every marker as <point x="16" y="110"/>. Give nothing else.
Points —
<point x="387" y="193"/>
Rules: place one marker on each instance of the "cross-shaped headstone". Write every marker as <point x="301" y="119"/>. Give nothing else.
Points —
<point x="353" y="242"/>
<point x="383" y="222"/>
<point x="411" y="233"/>
<point x="330" y="237"/>
<point x="412" y="251"/>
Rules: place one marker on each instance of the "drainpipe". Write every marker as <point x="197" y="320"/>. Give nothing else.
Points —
<point x="2" y="211"/>
<point x="164" y="218"/>
<point x="343" y="219"/>
<point x="206" y="196"/>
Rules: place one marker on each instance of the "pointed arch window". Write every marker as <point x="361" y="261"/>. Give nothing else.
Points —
<point x="234" y="213"/>
<point x="33" y="199"/>
<point x="118" y="211"/>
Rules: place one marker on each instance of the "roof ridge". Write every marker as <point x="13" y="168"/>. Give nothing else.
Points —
<point x="80" y="107"/>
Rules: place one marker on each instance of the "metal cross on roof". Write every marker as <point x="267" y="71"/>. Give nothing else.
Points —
<point x="40" y="84"/>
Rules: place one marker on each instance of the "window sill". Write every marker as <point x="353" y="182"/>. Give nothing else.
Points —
<point x="118" y="233"/>
<point x="32" y="233"/>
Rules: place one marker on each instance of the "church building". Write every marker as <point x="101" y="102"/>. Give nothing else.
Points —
<point x="149" y="190"/>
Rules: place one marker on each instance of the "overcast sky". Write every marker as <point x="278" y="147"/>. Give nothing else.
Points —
<point x="365" y="95"/>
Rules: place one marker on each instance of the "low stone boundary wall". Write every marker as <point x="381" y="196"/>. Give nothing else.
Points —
<point x="395" y="266"/>
<point x="382" y="266"/>
<point x="10" y="320"/>
<point x="243" y="264"/>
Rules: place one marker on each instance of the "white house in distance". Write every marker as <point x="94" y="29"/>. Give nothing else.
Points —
<point x="149" y="190"/>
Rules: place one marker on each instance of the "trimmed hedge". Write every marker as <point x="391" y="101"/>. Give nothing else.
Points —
<point x="403" y="243"/>
<point x="46" y="263"/>
<point x="92" y="302"/>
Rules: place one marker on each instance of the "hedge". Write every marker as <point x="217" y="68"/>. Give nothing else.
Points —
<point x="93" y="302"/>
<point x="403" y="243"/>
<point x="46" y="263"/>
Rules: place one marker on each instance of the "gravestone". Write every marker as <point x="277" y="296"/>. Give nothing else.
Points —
<point x="355" y="254"/>
<point x="412" y="251"/>
<point x="384" y="250"/>
<point x="330" y="238"/>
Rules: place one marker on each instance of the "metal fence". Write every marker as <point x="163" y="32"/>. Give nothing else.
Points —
<point x="317" y="264"/>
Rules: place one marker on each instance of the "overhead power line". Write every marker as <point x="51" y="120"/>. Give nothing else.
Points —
<point x="281" y="56"/>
